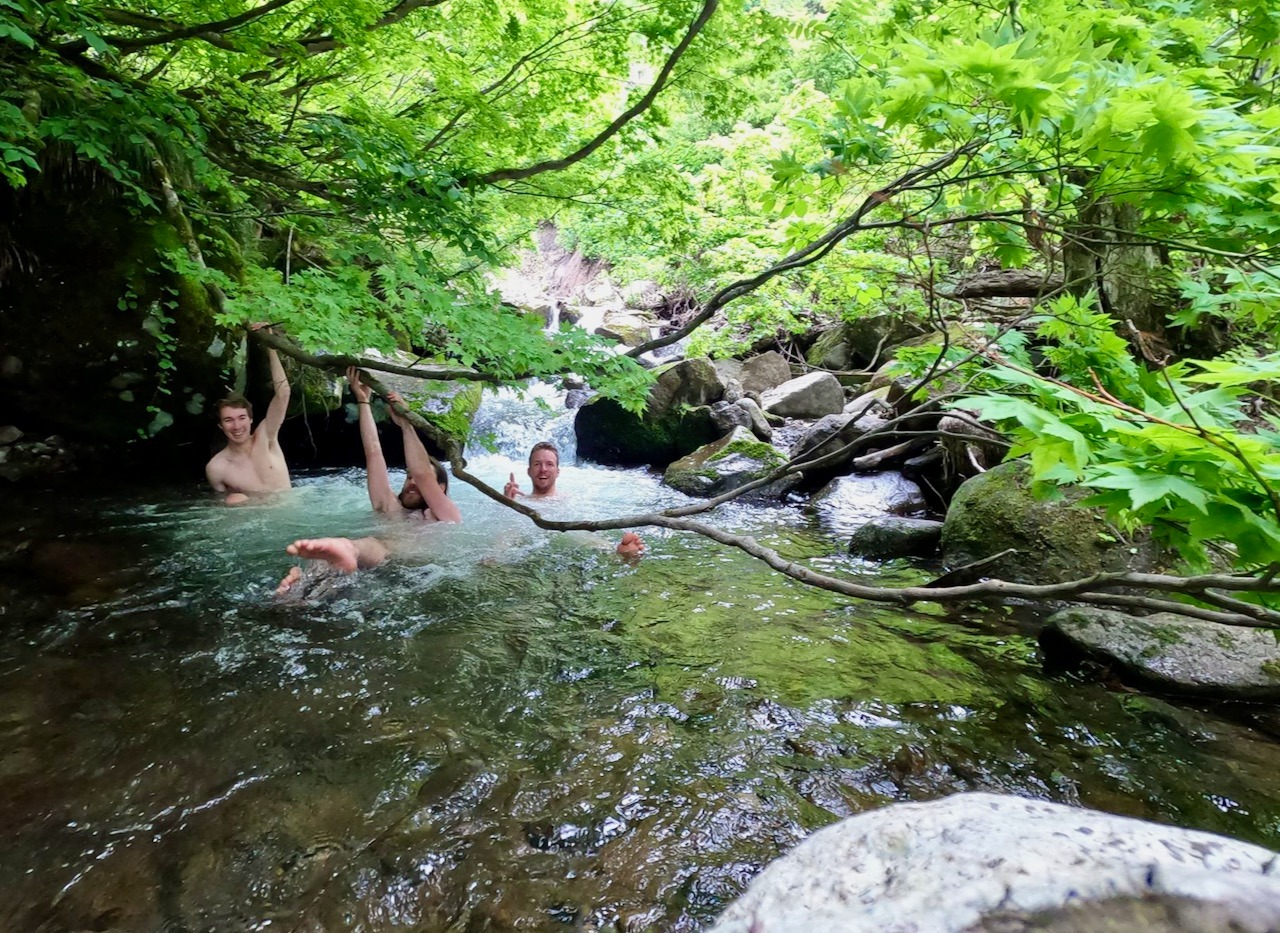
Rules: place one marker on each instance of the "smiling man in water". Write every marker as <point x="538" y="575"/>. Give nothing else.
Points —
<point x="544" y="470"/>
<point x="252" y="461"/>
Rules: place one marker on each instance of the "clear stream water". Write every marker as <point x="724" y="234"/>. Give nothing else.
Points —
<point x="507" y="729"/>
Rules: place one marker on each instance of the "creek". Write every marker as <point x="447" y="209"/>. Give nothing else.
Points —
<point x="506" y="728"/>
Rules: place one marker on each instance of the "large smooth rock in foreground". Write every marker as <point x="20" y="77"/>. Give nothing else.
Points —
<point x="944" y="865"/>
<point x="809" y="396"/>
<point x="1171" y="651"/>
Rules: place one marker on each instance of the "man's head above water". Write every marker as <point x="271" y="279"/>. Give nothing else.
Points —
<point x="411" y="497"/>
<point x="235" y="418"/>
<point x="544" y="468"/>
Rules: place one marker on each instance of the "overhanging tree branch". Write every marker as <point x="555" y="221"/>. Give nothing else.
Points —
<point x="554" y="165"/>
<point x="815" y="250"/>
<point x="210" y="31"/>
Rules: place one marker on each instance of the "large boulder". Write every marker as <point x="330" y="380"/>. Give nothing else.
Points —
<point x="1053" y="539"/>
<point x="730" y="370"/>
<point x="761" y="373"/>
<point x="689" y="382"/>
<point x="677" y="419"/>
<point x="871" y="339"/>
<point x="950" y="864"/>
<point x="727" y="464"/>
<point x="809" y="396"/>
<point x="1173" y="652"/>
<point x="831" y="349"/>
<point x="607" y="433"/>
<point x="628" y="329"/>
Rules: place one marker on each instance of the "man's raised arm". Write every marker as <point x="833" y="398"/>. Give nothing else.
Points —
<point x="276" y="411"/>
<point x="375" y="464"/>
<point x="421" y="470"/>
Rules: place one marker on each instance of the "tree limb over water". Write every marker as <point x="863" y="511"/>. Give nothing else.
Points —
<point x="1097" y="589"/>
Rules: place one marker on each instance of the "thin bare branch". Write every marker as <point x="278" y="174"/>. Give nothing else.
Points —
<point x="553" y="165"/>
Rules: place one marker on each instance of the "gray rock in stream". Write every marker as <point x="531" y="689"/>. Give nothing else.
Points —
<point x="809" y="396"/>
<point x="948" y="864"/>
<point x="890" y="536"/>
<point x="1171" y="651"/>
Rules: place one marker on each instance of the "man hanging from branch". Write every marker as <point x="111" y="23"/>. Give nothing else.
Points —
<point x="423" y="498"/>
<point x="252" y="462"/>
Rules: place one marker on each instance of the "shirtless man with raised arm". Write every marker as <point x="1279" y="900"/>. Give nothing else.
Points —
<point x="544" y="470"/>
<point x="424" y="496"/>
<point x="252" y="461"/>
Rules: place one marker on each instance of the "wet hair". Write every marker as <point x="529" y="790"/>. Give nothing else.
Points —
<point x="234" y="400"/>
<point x="441" y="477"/>
<point x="544" y="445"/>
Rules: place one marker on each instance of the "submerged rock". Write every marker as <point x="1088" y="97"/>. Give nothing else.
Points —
<point x="948" y="864"/>
<point x="1172" y="651"/>
<point x="726" y="464"/>
<point x="890" y="537"/>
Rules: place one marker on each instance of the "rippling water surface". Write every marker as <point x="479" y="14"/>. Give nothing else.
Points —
<point x="505" y="729"/>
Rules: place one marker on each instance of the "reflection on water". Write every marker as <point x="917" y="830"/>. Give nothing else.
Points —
<point x="505" y="729"/>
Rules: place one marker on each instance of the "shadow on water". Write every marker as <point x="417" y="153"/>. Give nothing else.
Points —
<point x="506" y="729"/>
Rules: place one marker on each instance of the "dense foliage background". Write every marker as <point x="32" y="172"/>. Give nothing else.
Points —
<point x="1086" y="192"/>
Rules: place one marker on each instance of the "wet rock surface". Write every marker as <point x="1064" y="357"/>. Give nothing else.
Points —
<point x="1170" y="651"/>
<point x="731" y="462"/>
<point x="891" y="537"/>
<point x="945" y="865"/>
<point x="849" y="502"/>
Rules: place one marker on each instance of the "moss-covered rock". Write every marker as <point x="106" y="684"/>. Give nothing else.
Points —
<point x="726" y="464"/>
<point x="871" y="339"/>
<point x="449" y="405"/>
<point x="689" y="382"/>
<point x="1054" y="539"/>
<point x="831" y="349"/>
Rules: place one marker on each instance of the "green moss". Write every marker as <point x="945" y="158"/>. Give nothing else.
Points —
<point x="1165" y="634"/>
<point x="755" y="450"/>
<point x="1271" y="668"/>
<point x="450" y="406"/>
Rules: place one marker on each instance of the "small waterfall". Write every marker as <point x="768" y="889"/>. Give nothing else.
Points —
<point x="510" y="421"/>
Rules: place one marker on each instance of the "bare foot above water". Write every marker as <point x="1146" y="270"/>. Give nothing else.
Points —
<point x="340" y="553"/>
